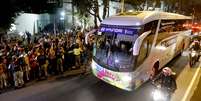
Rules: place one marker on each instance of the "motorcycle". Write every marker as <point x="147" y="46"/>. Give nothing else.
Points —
<point x="161" y="93"/>
<point x="164" y="89"/>
<point x="194" y="57"/>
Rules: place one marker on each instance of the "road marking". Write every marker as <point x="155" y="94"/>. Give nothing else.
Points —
<point x="191" y="84"/>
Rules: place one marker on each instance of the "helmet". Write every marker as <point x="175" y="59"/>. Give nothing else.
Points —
<point x="167" y="71"/>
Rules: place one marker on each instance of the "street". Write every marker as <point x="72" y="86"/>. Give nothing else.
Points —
<point x="196" y="96"/>
<point x="85" y="88"/>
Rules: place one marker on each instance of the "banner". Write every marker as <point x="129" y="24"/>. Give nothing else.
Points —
<point x="118" y="30"/>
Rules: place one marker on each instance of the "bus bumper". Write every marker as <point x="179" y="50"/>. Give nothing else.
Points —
<point x="122" y="80"/>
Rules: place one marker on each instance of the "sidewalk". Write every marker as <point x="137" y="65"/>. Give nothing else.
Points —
<point x="67" y="73"/>
<point x="187" y="82"/>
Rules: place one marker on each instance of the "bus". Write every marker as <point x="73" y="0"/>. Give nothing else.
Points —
<point x="132" y="47"/>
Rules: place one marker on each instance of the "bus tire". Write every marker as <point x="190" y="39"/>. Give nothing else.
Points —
<point x="154" y="70"/>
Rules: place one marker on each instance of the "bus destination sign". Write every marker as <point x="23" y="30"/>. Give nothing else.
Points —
<point x="118" y="30"/>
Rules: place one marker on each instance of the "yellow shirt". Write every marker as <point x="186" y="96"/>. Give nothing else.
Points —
<point x="77" y="51"/>
<point x="26" y="59"/>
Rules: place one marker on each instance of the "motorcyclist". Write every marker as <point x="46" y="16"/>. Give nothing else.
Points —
<point x="194" y="49"/>
<point x="166" y="79"/>
<point x="195" y="45"/>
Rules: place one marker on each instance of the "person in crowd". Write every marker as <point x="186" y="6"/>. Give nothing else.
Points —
<point x="27" y="66"/>
<point x="3" y="81"/>
<point x="33" y="65"/>
<point x="52" y="57"/>
<point x="77" y="52"/>
<point x="42" y="62"/>
<point x="59" y="57"/>
<point x="11" y="72"/>
<point x="18" y="73"/>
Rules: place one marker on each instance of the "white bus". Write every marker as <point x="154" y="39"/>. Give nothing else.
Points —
<point x="131" y="47"/>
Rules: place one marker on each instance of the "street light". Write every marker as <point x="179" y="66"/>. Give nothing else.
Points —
<point x="62" y="13"/>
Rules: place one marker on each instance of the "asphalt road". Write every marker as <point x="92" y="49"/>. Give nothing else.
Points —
<point x="84" y="88"/>
<point x="197" y="94"/>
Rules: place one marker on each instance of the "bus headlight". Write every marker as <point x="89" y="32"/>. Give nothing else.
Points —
<point x="116" y="60"/>
<point x="93" y="65"/>
<point x="126" y="78"/>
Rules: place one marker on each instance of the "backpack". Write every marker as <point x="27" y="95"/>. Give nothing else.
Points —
<point x="21" y="61"/>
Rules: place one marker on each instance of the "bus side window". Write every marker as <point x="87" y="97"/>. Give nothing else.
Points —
<point x="169" y="42"/>
<point x="143" y="53"/>
<point x="163" y="44"/>
<point x="151" y="26"/>
<point x="145" y="49"/>
<point x="146" y="45"/>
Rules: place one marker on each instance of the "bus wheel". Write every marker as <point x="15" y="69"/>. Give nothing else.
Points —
<point x="154" y="70"/>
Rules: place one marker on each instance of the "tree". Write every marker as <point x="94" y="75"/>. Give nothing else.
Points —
<point x="8" y="14"/>
<point x="84" y="19"/>
<point x="10" y="9"/>
<point x="85" y="7"/>
<point x="136" y="3"/>
<point x="105" y="8"/>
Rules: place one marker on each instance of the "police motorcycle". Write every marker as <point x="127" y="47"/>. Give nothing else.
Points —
<point x="194" y="56"/>
<point x="164" y="85"/>
<point x="194" y="53"/>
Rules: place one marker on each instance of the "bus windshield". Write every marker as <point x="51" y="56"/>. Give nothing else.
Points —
<point x="114" y="51"/>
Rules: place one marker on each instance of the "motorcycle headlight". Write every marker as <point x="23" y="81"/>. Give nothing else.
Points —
<point x="193" y="54"/>
<point x="158" y="95"/>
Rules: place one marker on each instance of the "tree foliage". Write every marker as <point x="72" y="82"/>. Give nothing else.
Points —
<point x="86" y="7"/>
<point x="136" y="3"/>
<point x="7" y="14"/>
<point x="105" y="8"/>
<point x="187" y="7"/>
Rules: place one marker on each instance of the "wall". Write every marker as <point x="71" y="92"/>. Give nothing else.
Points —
<point x="26" y="22"/>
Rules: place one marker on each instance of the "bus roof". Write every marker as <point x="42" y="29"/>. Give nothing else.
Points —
<point x="141" y="17"/>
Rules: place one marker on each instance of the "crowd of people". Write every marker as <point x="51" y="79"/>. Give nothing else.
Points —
<point x="48" y="55"/>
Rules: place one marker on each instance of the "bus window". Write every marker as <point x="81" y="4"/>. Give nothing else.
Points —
<point x="146" y="45"/>
<point x="114" y="51"/>
<point x="179" y="25"/>
<point x="165" y="31"/>
<point x="151" y="26"/>
<point x="169" y="42"/>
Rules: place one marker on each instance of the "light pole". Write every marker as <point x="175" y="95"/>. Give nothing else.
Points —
<point x="193" y="16"/>
<point x="63" y="18"/>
